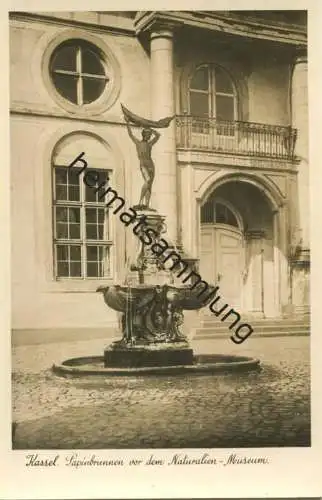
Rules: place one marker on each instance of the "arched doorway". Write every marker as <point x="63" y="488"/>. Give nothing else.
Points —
<point x="222" y="253"/>
<point x="239" y="249"/>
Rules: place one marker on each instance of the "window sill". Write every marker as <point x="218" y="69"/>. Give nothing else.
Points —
<point x="75" y="286"/>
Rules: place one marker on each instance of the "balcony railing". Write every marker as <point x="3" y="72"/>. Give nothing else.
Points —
<point x="247" y="138"/>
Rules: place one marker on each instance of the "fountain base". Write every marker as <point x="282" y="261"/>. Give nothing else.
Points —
<point x="210" y="364"/>
<point x="138" y="356"/>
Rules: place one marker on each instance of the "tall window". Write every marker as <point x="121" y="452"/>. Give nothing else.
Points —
<point x="79" y="71"/>
<point x="212" y="95"/>
<point x="214" y="212"/>
<point x="82" y="239"/>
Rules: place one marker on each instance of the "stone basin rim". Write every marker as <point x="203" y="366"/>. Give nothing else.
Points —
<point x="228" y="364"/>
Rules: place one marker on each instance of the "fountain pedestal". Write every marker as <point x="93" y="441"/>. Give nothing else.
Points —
<point x="151" y="304"/>
<point x="151" y="316"/>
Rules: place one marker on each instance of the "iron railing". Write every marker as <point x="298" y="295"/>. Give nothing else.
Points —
<point x="251" y="139"/>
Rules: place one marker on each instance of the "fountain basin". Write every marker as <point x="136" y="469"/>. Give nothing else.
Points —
<point x="202" y="364"/>
<point x="118" y="355"/>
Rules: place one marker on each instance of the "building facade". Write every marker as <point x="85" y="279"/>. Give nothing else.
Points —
<point x="232" y="171"/>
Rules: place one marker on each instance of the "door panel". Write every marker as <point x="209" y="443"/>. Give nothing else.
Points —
<point x="221" y="261"/>
<point x="229" y="265"/>
<point x="207" y="260"/>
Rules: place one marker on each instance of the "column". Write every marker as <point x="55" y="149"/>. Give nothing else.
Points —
<point x="300" y="259"/>
<point x="299" y="96"/>
<point x="165" y="188"/>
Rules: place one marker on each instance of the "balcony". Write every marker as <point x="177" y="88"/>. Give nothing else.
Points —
<point x="242" y="138"/>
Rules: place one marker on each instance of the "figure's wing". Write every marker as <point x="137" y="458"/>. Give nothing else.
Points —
<point x="144" y="122"/>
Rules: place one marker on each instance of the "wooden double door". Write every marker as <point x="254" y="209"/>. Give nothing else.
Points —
<point x="222" y="261"/>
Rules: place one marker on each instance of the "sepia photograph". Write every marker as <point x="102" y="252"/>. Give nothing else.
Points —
<point x="160" y="246"/>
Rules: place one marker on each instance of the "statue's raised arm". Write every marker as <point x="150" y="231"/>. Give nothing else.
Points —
<point x="155" y="138"/>
<point x="130" y="132"/>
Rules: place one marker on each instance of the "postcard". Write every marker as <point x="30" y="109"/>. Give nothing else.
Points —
<point x="161" y="334"/>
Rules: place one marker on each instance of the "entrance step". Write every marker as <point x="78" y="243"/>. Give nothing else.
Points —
<point x="270" y="327"/>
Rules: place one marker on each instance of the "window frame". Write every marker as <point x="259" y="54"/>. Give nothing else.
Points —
<point x="109" y="59"/>
<point x="212" y="102"/>
<point x="80" y="45"/>
<point x="215" y="200"/>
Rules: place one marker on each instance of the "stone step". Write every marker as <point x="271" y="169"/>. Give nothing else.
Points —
<point x="215" y="323"/>
<point x="258" y="326"/>
<point x="213" y="327"/>
<point x="221" y="335"/>
<point x="264" y="329"/>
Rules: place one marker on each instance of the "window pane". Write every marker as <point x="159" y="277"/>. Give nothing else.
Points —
<point x="92" y="89"/>
<point x="200" y="80"/>
<point x="62" y="230"/>
<point x="207" y="212"/>
<point x="60" y="175"/>
<point x="73" y="176"/>
<point x="97" y="261"/>
<point x="199" y="104"/>
<point x="73" y="188"/>
<point x="74" y="214"/>
<point x="101" y="231"/>
<point x="62" y="269"/>
<point x="90" y="192"/>
<point x="231" y="219"/>
<point x="224" y="108"/>
<point x="92" y="269"/>
<point x="91" y="215"/>
<point x="73" y="193"/>
<point x="61" y="214"/>
<point x="101" y="215"/>
<point x="64" y="58"/>
<point x="66" y="85"/>
<point x="61" y="192"/>
<point x="92" y="254"/>
<point x="62" y="252"/>
<point x="223" y="82"/>
<point x="225" y="216"/>
<point x="75" y="252"/>
<point x="91" y="63"/>
<point x="220" y="213"/>
<point x="91" y="231"/>
<point x="104" y="261"/>
<point x="60" y="183"/>
<point x="74" y="231"/>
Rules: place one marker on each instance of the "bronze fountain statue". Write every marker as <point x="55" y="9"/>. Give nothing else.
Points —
<point x="144" y="147"/>
<point x="151" y="300"/>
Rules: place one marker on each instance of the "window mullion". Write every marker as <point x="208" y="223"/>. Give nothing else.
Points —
<point x="79" y="79"/>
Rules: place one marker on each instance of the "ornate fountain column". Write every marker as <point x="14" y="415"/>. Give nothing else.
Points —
<point x="300" y="259"/>
<point x="164" y="194"/>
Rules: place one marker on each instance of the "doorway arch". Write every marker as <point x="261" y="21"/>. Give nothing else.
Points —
<point x="253" y="254"/>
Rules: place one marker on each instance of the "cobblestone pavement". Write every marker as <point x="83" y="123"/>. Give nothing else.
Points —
<point x="267" y="408"/>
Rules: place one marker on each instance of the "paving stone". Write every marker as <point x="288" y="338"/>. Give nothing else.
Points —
<point x="269" y="408"/>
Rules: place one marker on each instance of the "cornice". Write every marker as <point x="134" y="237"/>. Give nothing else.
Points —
<point x="46" y="18"/>
<point x="223" y="22"/>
